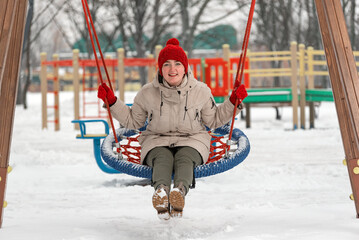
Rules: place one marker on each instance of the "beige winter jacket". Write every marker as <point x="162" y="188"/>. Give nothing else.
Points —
<point x="176" y="116"/>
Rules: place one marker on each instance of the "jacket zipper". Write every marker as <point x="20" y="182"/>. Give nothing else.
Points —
<point x="185" y="107"/>
<point x="161" y="105"/>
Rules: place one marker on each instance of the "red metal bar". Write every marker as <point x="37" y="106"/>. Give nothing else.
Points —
<point x="142" y="62"/>
<point x="60" y="63"/>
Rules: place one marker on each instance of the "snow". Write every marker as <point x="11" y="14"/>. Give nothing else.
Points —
<point x="293" y="185"/>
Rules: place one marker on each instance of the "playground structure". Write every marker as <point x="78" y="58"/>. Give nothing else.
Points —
<point x="12" y="24"/>
<point x="116" y="69"/>
<point x="299" y="68"/>
<point x="214" y="69"/>
<point x="340" y="59"/>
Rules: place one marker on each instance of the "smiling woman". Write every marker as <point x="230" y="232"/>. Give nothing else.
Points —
<point x="178" y="108"/>
<point x="173" y="72"/>
<point x="173" y="63"/>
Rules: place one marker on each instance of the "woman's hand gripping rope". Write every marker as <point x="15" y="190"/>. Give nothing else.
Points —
<point x="105" y="92"/>
<point x="239" y="93"/>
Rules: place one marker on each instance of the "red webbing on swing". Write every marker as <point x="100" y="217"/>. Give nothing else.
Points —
<point x="131" y="149"/>
<point x="242" y="59"/>
<point x="217" y="148"/>
<point x="87" y="17"/>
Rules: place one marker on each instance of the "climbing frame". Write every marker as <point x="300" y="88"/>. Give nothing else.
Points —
<point x="345" y="83"/>
<point x="12" y="23"/>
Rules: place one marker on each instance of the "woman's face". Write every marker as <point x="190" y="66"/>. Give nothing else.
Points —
<point x="173" y="72"/>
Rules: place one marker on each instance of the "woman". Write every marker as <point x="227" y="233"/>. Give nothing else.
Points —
<point x="178" y="107"/>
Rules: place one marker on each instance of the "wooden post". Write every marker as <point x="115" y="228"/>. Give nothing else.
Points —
<point x="247" y="67"/>
<point x="150" y="70"/>
<point x="158" y="49"/>
<point x="302" y="84"/>
<point x="43" y="79"/>
<point x="56" y="82"/>
<point x="110" y="70"/>
<point x="121" y="73"/>
<point x="76" y="84"/>
<point x="248" y="115"/>
<point x="293" y="48"/>
<point x="226" y="54"/>
<point x="345" y="83"/>
<point x="310" y="76"/>
<point x="6" y="26"/>
<point x="12" y="24"/>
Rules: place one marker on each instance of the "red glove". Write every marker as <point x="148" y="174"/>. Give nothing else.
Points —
<point x="105" y="92"/>
<point x="239" y="93"/>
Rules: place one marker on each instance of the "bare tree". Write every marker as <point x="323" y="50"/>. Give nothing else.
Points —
<point x="349" y="8"/>
<point x="189" y="27"/>
<point x="22" y="88"/>
<point x="164" y="17"/>
<point x="274" y="20"/>
<point x="33" y="30"/>
<point x="137" y="19"/>
<point x="192" y="13"/>
<point x="311" y="33"/>
<point x="75" y="13"/>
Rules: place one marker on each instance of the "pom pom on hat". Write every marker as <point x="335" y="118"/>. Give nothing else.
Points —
<point x="172" y="51"/>
<point x="173" y="41"/>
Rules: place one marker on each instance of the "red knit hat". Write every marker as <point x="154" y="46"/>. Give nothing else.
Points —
<point x="172" y="51"/>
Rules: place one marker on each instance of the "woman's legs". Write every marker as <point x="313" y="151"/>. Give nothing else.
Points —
<point x="161" y="160"/>
<point x="185" y="159"/>
<point x="165" y="161"/>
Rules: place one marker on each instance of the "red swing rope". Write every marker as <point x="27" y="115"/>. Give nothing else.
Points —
<point x="87" y="17"/>
<point x="240" y="68"/>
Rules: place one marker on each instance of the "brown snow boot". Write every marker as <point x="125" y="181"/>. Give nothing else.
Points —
<point x="160" y="202"/>
<point x="177" y="196"/>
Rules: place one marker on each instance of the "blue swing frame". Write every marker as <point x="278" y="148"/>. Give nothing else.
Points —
<point x="96" y="142"/>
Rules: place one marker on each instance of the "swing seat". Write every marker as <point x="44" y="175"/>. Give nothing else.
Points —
<point x="221" y="158"/>
<point x="128" y="161"/>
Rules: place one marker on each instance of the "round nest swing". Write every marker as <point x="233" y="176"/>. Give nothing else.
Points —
<point x="221" y="158"/>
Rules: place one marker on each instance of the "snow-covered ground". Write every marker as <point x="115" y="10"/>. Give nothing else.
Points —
<point x="293" y="185"/>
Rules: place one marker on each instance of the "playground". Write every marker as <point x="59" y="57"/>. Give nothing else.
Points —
<point x="292" y="185"/>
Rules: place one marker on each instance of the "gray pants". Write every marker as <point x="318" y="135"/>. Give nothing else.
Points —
<point x="178" y="160"/>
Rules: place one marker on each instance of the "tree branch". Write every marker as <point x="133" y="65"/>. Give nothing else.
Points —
<point x="224" y="16"/>
<point x="43" y="11"/>
<point x="45" y="25"/>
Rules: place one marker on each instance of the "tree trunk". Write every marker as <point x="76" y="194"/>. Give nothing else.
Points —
<point x="26" y="48"/>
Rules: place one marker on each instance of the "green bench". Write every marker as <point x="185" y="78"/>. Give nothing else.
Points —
<point x="277" y="97"/>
